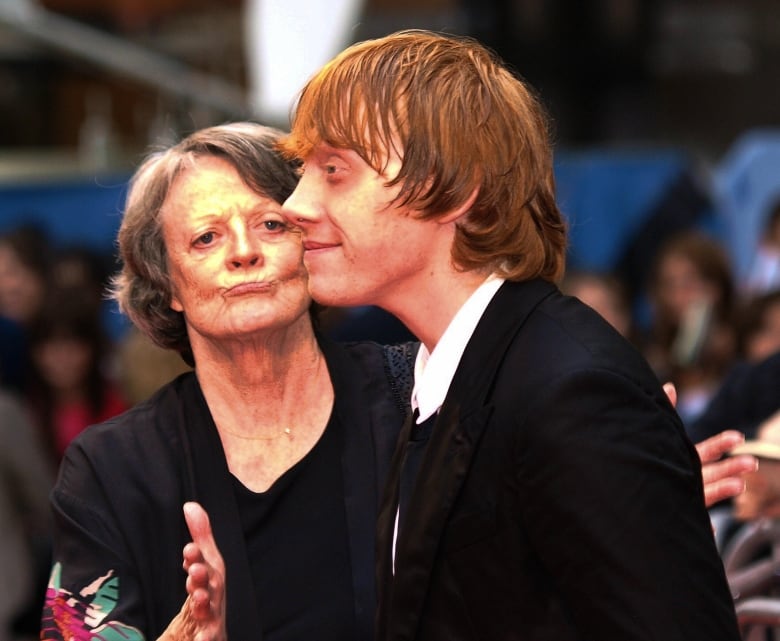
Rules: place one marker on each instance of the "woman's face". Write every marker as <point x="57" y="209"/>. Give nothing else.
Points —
<point x="235" y="266"/>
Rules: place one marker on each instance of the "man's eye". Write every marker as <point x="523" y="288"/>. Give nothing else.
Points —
<point x="330" y="169"/>
<point x="274" y="225"/>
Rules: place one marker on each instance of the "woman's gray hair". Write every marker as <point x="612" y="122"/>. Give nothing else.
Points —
<point x="143" y="287"/>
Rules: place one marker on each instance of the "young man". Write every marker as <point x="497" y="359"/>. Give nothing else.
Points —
<point x="555" y="496"/>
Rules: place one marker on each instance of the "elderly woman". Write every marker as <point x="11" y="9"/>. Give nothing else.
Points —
<point x="281" y="436"/>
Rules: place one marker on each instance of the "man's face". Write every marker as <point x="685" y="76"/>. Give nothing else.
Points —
<point x="359" y="247"/>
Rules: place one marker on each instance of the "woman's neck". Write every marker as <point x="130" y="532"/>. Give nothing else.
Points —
<point x="270" y="401"/>
<point x="255" y="385"/>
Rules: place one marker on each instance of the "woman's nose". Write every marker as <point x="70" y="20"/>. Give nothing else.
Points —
<point x="244" y="250"/>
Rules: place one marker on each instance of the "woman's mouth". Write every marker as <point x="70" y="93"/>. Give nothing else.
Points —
<point x="257" y="287"/>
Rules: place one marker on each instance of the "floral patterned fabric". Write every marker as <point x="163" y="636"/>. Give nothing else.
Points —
<point x="86" y="615"/>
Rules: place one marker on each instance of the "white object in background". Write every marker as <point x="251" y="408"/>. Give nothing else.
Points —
<point x="286" y="42"/>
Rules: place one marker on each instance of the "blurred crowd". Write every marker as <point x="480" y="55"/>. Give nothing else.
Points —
<point x="703" y="322"/>
<point x="60" y="371"/>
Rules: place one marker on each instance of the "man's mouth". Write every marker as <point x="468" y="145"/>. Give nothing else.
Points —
<point x="313" y="246"/>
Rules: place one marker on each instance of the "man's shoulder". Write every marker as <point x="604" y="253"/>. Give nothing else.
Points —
<point x="561" y="335"/>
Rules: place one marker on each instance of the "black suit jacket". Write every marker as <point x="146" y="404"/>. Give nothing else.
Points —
<point x="559" y="497"/>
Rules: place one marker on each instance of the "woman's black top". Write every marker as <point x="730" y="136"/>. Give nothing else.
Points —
<point x="296" y="536"/>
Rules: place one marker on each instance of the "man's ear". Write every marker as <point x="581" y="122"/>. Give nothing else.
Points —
<point x="462" y="209"/>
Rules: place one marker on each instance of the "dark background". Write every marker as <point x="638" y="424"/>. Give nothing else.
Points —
<point x="651" y="104"/>
<point x="682" y="72"/>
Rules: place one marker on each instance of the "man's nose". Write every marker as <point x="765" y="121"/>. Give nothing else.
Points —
<point x="299" y="208"/>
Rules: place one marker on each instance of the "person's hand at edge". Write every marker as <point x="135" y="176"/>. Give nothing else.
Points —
<point x="202" y="617"/>
<point x="722" y="478"/>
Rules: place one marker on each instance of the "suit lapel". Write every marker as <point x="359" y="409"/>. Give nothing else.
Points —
<point x="456" y="434"/>
<point x="446" y="462"/>
<point x="386" y="519"/>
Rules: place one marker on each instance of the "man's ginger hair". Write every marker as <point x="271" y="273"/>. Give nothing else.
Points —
<point x="461" y="122"/>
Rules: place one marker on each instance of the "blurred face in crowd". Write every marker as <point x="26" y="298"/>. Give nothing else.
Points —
<point x="235" y="265"/>
<point x="21" y="289"/>
<point x="64" y="362"/>
<point x="681" y="285"/>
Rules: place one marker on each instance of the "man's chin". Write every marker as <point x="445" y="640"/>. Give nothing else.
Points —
<point x="325" y="295"/>
<point x="330" y="296"/>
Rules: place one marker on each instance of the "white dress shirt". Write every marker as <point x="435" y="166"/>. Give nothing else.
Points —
<point x="433" y="371"/>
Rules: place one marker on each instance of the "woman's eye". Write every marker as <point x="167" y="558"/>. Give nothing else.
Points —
<point x="330" y="169"/>
<point x="205" y="239"/>
<point x="274" y="225"/>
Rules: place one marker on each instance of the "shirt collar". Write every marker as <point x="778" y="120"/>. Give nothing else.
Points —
<point x="433" y="371"/>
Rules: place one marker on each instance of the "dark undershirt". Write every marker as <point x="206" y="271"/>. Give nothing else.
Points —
<point x="296" y="537"/>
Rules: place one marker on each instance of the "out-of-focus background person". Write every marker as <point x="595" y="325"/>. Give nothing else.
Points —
<point x="24" y="272"/>
<point x="691" y="340"/>
<point x="71" y="385"/>
<point x="26" y="477"/>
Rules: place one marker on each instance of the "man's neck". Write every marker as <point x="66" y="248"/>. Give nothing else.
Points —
<point x="427" y="313"/>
